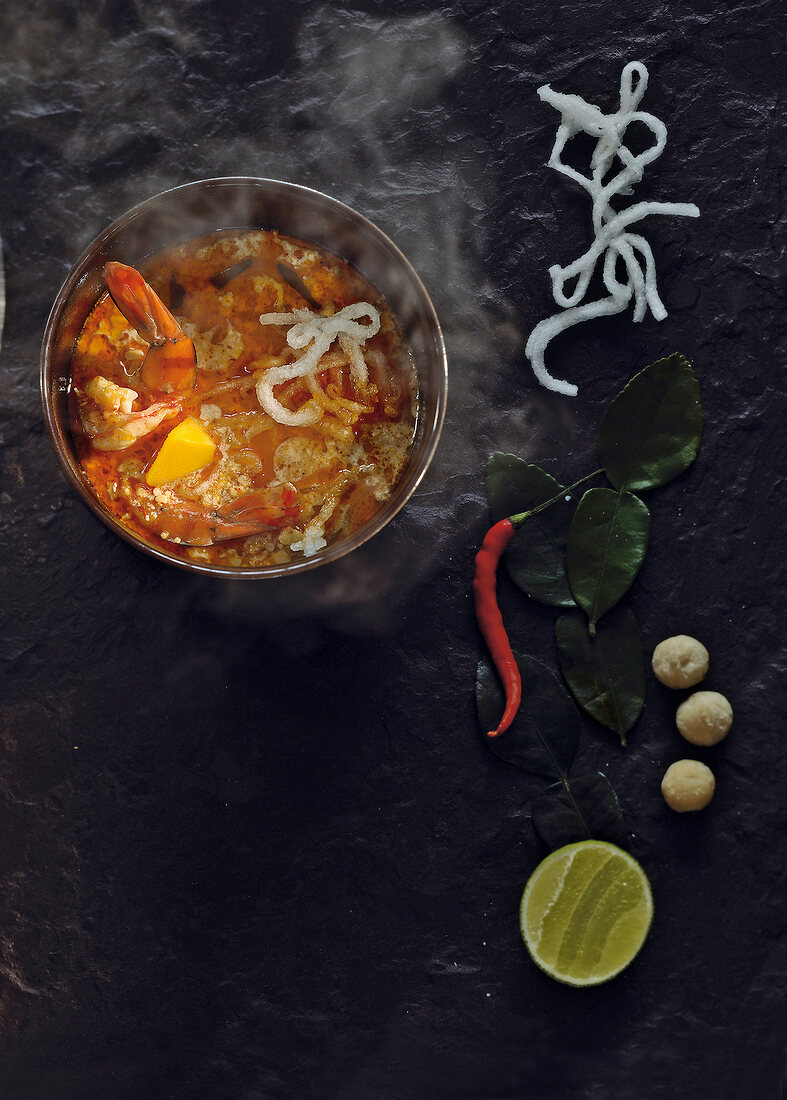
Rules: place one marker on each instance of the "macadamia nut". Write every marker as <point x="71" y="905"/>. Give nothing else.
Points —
<point x="704" y="718"/>
<point x="688" y="785"/>
<point x="680" y="662"/>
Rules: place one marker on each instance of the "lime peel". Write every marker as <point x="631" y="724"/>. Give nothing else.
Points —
<point x="586" y="912"/>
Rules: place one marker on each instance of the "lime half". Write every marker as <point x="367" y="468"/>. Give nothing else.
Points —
<point x="585" y="912"/>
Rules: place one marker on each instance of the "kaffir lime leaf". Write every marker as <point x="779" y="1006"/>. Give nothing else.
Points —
<point x="585" y="912"/>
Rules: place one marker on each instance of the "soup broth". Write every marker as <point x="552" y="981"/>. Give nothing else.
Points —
<point x="296" y="428"/>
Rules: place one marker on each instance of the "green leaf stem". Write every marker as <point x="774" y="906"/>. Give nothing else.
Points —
<point x="543" y="737"/>
<point x="652" y="430"/>
<point x="606" y="546"/>
<point x="605" y="673"/>
<point x="581" y="809"/>
<point x="536" y="555"/>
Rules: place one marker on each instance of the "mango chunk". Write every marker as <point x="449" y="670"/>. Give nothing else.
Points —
<point x="187" y="448"/>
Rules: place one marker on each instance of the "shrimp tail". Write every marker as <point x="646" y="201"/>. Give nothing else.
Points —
<point x="273" y="507"/>
<point x="140" y="305"/>
<point x="171" y="361"/>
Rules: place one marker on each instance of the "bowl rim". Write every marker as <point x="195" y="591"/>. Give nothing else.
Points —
<point x="431" y="430"/>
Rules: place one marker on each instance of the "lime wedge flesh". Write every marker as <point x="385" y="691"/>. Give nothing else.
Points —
<point x="585" y="912"/>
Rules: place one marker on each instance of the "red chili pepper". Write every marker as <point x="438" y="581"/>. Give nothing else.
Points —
<point x="490" y="621"/>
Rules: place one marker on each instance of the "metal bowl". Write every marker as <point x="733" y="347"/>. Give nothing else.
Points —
<point x="239" y="202"/>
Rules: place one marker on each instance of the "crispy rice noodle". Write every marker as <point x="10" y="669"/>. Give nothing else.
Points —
<point x="613" y="239"/>
<point x="316" y="333"/>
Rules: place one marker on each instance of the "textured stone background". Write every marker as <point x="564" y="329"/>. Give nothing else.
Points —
<point x="251" y="844"/>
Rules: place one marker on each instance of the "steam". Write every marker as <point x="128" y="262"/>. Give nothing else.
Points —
<point x="361" y="114"/>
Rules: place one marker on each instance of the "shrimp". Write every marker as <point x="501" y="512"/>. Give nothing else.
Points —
<point x="189" y="524"/>
<point x="170" y="364"/>
<point x="109" y="419"/>
<point x="168" y="373"/>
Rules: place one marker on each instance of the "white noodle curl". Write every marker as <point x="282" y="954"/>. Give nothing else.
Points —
<point x="612" y="237"/>
<point x="316" y="333"/>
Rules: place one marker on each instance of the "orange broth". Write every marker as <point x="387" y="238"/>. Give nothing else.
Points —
<point x="342" y="468"/>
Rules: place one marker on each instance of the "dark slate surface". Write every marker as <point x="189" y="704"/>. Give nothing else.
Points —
<point x="251" y="843"/>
